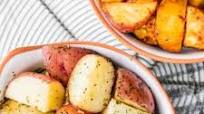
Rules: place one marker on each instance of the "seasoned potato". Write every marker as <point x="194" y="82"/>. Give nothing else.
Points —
<point x="170" y="22"/>
<point x="69" y="109"/>
<point x="60" y="61"/>
<point x="147" y="32"/>
<point x="133" y="91"/>
<point x="141" y="1"/>
<point x="13" y="107"/>
<point x="197" y="3"/>
<point x="36" y="90"/>
<point x="91" y="83"/>
<point x="54" y="63"/>
<point x="116" y="107"/>
<point x="127" y="17"/>
<point x="194" y="28"/>
<point x="112" y="0"/>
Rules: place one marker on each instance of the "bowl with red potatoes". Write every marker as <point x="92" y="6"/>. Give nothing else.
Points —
<point x="78" y="78"/>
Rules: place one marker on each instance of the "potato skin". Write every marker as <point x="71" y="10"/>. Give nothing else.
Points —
<point x="91" y="82"/>
<point x="54" y="63"/>
<point x="147" y="32"/>
<point x="170" y="22"/>
<point x="13" y="107"/>
<point x="194" y="28"/>
<point x="126" y="17"/>
<point x="116" y="107"/>
<point x="70" y="109"/>
<point x="133" y="91"/>
<point x="60" y="61"/>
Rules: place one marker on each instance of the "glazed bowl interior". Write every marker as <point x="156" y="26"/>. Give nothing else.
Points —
<point x="187" y="55"/>
<point x="32" y="59"/>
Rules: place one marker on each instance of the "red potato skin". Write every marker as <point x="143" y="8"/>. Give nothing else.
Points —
<point x="54" y="63"/>
<point x="129" y="86"/>
<point x="72" y="56"/>
<point x="60" y="61"/>
<point x="70" y="109"/>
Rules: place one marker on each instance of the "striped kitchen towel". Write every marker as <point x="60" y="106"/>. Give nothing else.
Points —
<point x="29" y="22"/>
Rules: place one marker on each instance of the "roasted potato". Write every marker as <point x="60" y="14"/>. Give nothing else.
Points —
<point x="140" y="1"/>
<point x="91" y="83"/>
<point x="116" y="107"/>
<point x="197" y="3"/>
<point x="13" y="107"/>
<point x="170" y="22"/>
<point x="126" y="17"/>
<point x="70" y="109"/>
<point x="194" y="28"/>
<point x="133" y="91"/>
<point x="147" y="32"/>
<point x="60" y="61"/>
<point x="112" y="0"/>
<point x="36" y="90"/>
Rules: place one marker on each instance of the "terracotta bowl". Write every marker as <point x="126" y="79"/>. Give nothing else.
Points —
<point x="186" y="56"/>
<point x="29" y="58"/>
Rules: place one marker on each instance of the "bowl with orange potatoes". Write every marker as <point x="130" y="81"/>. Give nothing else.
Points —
<point x="164" y="30"/>
<point x="78" y="78"/>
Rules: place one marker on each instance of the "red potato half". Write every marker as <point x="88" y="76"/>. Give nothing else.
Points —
<point x="60" y="61"/>
<point x="70" y="109"/>
<point x="36" y="90"/>
<point x="133" y="91"/>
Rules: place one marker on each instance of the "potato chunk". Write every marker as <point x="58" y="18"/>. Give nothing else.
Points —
<point x="133" y="91"/>
<point x="36" y="90"/>
<point x="170" y="22"/>
<point x="126" y="17"/>
<point x="116" y="107"/>
<point x="194" y="28"/>
<point x="13" y="107"/>
<point x="147" y="32"/>
<point x="112" y="0"/>
<point x="70" y="109"/>
<point x="61" y="60"/>
<point x="91" y="83"/>
<point x="141" y="1"/>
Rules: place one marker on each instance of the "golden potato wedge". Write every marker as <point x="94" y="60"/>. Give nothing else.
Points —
<point x="126" y="17"/>
<point x="141" y="1"/>
<point x="116" y="107"/>
<point x="170" y="22"/>
<point x="133" y="91"/>
<point x="91" y="83"/>
<point x="197" y="3"/>
<point x="112" y="0"/>
<point x="13" y="107"/>
<point x="194" y="28"/>
<point x="147" y="32"/>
